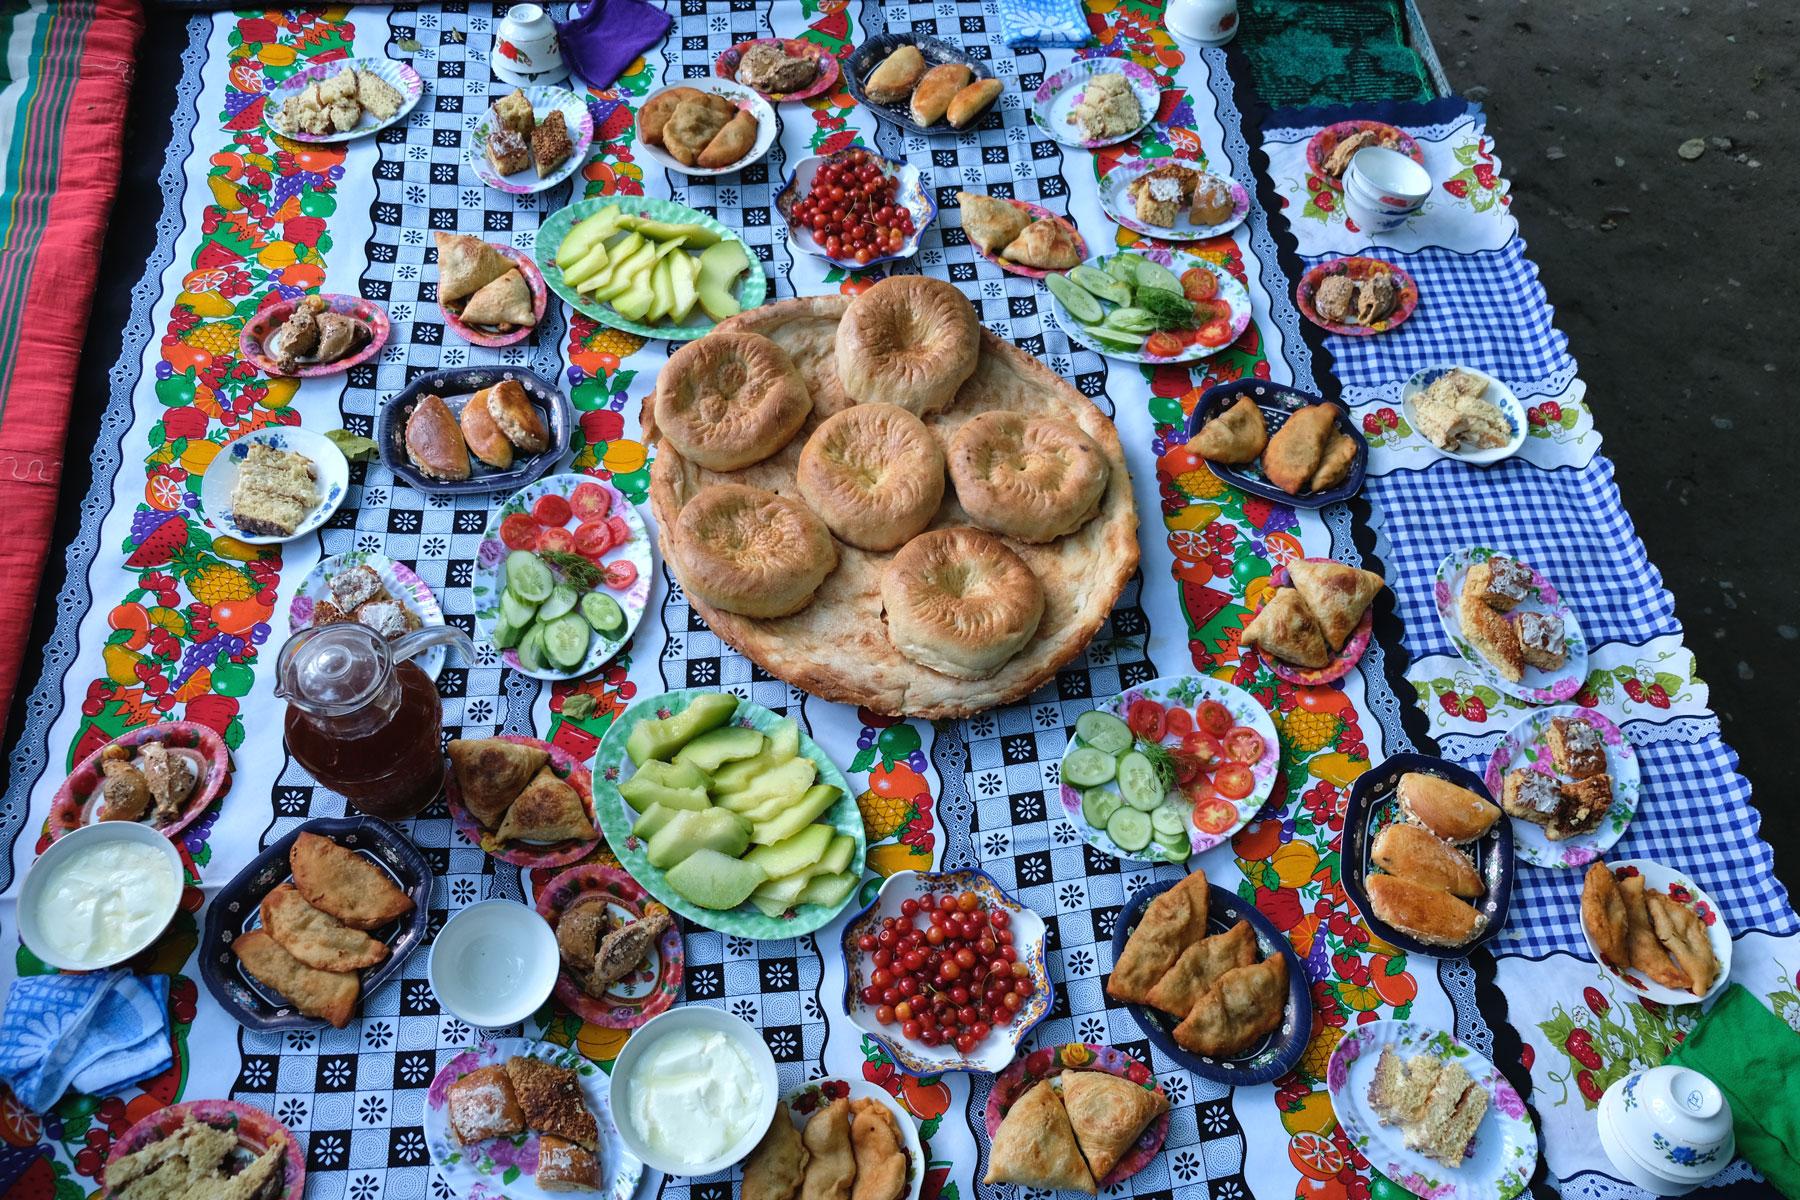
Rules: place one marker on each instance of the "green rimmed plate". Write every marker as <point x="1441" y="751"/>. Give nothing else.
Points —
<point x="750" y="291"/>
<point x="612" y="766"/>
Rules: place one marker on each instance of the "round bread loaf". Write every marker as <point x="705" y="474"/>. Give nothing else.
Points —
<point x="1030" y="478"/>
<point x="752" y="552"/>
<point x="728" y="400"/>
<point x="960" y="602"/>
<point x="874" y="473"/>
<point x="910" y="341"/>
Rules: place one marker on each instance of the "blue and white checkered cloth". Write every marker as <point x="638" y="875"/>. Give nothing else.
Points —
<point x="1041" y="23"/>
<point x="93" y="1032"/>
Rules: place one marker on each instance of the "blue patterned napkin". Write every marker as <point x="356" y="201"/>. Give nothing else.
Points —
<point x="1054" y="23"/>
<point x="93" y="1032"/>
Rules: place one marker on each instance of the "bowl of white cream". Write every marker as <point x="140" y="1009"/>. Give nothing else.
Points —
<point x="99" y="895"/>
<point x="694" y="1090"/>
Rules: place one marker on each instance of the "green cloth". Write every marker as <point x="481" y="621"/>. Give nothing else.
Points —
<point x="1755" y="1059"/>
<point x="1307" y="53"/>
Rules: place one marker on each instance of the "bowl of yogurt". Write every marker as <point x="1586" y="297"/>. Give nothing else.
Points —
<point x="494" y="963"/>
<point x="694" y="1090"/>
<point x="100" y="895"/>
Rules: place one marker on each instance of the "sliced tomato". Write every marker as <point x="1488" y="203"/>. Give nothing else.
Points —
<point x="1234" y="780"/>
<point x="1211" y="310"/>
<point x="1197" y="283"/>
<point x="1215" y="718"/>
<point x="556" y="541"/>
<point x="1187" y="768"/>
<point x="1146" y="719"/>
<point x="1163" y="344"/>
<point x="1205" y="748"/>
<point x="1214" y="815"/>
<point x="621" y="574"/>
<point x="590" y="501"/>
<point x="520" y="532"/>
<point x="1214" y="333"/>
<point x="552" y="511"/>
<point x="621" y="530"/>
<point x="1243" y="744"/>
<point x="593" y="539"/>
<point x="1178" y="722"/>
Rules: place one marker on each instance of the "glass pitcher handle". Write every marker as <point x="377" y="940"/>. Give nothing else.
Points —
<point x="434" y="635"/>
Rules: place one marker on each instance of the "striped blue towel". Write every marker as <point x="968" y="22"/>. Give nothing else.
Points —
<point x="94" y="1032"/>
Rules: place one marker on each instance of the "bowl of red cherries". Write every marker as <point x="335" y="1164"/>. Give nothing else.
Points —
<point x="856" y="209"/>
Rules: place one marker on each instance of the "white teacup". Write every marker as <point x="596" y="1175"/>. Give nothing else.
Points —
<point x="1372" y="220"/>
<point x="1208" y="22"/>
<point x="1388" y="180"/>
<point x="526" y="51"/>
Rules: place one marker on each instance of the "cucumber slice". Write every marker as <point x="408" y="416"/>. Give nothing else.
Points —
<point x="566" y="640"/>
<point x="562" y="600"/>
<point x="506" y="634"/>
<point x="1103" y="731"/>
<point x="1177" y="854"/>
<point x="529" y="577"/>
<point x="515" y="611"/>
<point x="1098" y="805"/>
<point x="1101" y="284"/>
<point x="1078" y="300"/>
<point x="1139" y="783"/>
<point x="531" y="649"/>
<point x="1130" y="829"/>
<point x="1146" y="274"/>
<point x="1168" y="822"/>
<point x="604" y="614"/>
<point x="1123" y="268"/>
<point x="1085" y="766"/>
<point x="1113" y="338"/>
<point x="1131" y="320"/>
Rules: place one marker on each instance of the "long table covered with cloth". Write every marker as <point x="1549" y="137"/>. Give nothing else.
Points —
<point x="244" y="212"/>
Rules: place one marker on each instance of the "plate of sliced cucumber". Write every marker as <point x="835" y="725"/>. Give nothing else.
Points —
<point x="562" y="577"/>
<point x="1169" y="768"/>
<point x="1154" y="305"/>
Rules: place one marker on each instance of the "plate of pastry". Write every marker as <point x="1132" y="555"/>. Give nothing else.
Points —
<point x="163" y="775"/>
<point x="1211" y="981"/>
<point x="1169" y="199"/>
<point x="1465" y="414"/>
<point x="343" y="99"/>
<point x="1329" y="152"/>
<point x="622" y="955"/>
<point x="1279" y="443"/>
<point x="488" y="294"/>
<point x="368" y="588"/>
<point x="901" y="197"/>
<point x="1154" y="304"/>
<point x="1511" y="624"/>
<point x="1426" y="858"/>
<point x="1356" y="296"/>
<point x="921" y="83"/>
<point x="780" y="69"/>
<point x="314" y="335"/>
<point x="847" y="1131"/>
<point x="706" y="126"/>
<point x="274" y="484"/>
<point x="1314" y="623"/>
<point x="222" y="1147"/>
<point x="1570" y="780"/>
<point x="522" y="800"/>
<point x="1430" y="1113"/>
<point x="526" y="1120"/>
<point x="530" y="140"/>
<point x="1655" y="931"/>
<point x="467" y="430"/>
<point x="326" y="915"/>
<point x="1075" y="1117"/>
<point x="1020" y="237"/>
<point x="1096" y="102"/>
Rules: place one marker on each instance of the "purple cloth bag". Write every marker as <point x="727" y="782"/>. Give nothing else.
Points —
<point x="600" y="42"/>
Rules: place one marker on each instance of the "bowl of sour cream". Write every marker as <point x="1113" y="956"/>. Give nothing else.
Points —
<point x="694" y="1090"/>
<point x="100" y="895"/>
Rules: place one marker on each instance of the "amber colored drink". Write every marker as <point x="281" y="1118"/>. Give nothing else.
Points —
<point x="389" y="769"/>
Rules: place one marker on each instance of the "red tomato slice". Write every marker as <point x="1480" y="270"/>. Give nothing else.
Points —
<point x="1197" y="283"/>
<point x="1205" y="748"/>
<point x="1214" y="333"/>
<point x="1163" y="344"/>
<point x="556" y="541"/>
<point x="1146" y="719"/>
<point x="552" y="511"/>
<point x="1187" y="768"/>
<point x="593" y="539"/>
<point x="621" y="575"/>
<point x="1215" y="718"/>
<point x="1211" y="310"/>
<point x="1215" y="815"/>
<point x="520" y="532"/>
<point x="621" y="530"/>
<point x="1234" y="780"/>
<point x="590" y="501"/>
<point x="1178" y="721"/>
<point x="1244" y="745"/>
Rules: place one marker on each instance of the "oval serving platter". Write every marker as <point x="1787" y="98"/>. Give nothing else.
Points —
<point x="254" y="338"/>
<point x="1524" y="747"/>
<point x="221" y="479"/>
<point x="536" y="855"/>
<point x="78" y="800"/>
<point x="401" y="581"/>
<point x="1278" y="402"/>
<point x="481" y="335"/>
<point x="746" y="99"/>
<point x="576" y="118"/>
<point x="1117" y="203"/>
<point x="1537" y="686"/>
<point x="936" y="52"/>
<point x="726" y="66"/>
<point x="397" y="75"/>
<point x="456" y="386"/>
<point x="1063" y="89"/>
<point x="650" y="988"/>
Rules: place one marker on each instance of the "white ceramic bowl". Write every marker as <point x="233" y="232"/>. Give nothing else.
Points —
<point x="494" y="963"/>
<point x="1370" y="220"/>
<point x="1388" y="178"/>
<point x="1667" y="1130"/>
<point x="706" y="1020"/>
<point x="79" y="842"/>
<point x="1497" y="394"/>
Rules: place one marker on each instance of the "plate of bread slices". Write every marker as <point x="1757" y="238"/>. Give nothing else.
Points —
<point x="921" y="83"/>
<point x="1654" y="930"/>
<point x="1570" y="780"/>
<point x="523" y="800"/>
<point x="343" y="99"/>
<point x="1313" y="625"/>
<point x="1426" y="858"/>
<point x="469" y="430"/>
<point x="1170" y="199"/>
<point x="1511" y="624"/>
<point x="1279" y="443"/>
<point x="1076" y="1117"/>
<point x="530" y="140"/>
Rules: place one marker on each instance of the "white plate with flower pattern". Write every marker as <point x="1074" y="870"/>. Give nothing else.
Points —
<point x="1062" y="91"/>
<point x="1117" y="203"/>
<point x="544" y="100"/>
<point x="401" y="582"/>
<point x="1683" y="891"/>
<point x="1524" y="746"/>
<point x="1538" y="686"/>
<point x="220" y="480"/>
<point x="397" y="75"/>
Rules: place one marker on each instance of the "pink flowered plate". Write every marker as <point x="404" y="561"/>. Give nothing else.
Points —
<point x="1358" y="269"/>
<point x="1326" y="140"/>
<point x="649" y="989"/>
<point x="1341" y="663"/>
<point x="1050" y="1063"/>
<point x="529" y="854"/>
<point x="77" y="802"/>
<point x="1036" y="212"/>
<point x="726" y="66"/>
<point x="256" y="1131"/>
<point x="480" y="335"/>
<point x="398" y="75"/>
<point x="1536" y="686"/>
<point x="1525" y="747"/>
<point x="1118" y="204"/>
<point x="1685" y="892"/>
<point x="544" y="101"/>
<point x="1062" y="91"/>
<point x="815" y="1094"/>
<point x="257" y="331"/>
<point x="401" y="581"/>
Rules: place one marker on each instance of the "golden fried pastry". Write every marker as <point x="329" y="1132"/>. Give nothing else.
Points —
<point x="434" y="442"/>
<point x="1035" y="1146"/>
<point x="1492" y="635"/>
<point x="317" y="938"/>
<point x="1170" y="924"/>
<point x="831" y="1169"/>
<point x="1295" y="450"/>
<point x="1603" y="914"/>
<point x="484" y="439"/>
<point x="1107" y="1114"/>
<point x="327" y="995"/>
<point x="960" y="602"/>
<point x="694" y="124"/>
<point x="659" y="108"/>
<point x="563" y="1166"/>
<point x="1414" y="853"/>
<point x="1683" y="935"/>
<point x="551" y="1099"/>
<point x="749" y="551"/>
<point x="548" y="810"/>
<point x="777" y="1167"/>
<point x="1337" y="595"/>
<point x="874" y="474"/>
<point x="972" y="101"/>
<point x="1428" y="914"/>
<point x="1236" y="436"/>
<point x="931" y="99"/>
<point x="1047" y="245"/>
<point x="345" y="884"/>
<point x="466" y="265"/>
<point x="896" y="77"/>
<point x="1286" y="629"/>
<point x="1453" y="813"/>
<point x="1335" y="463"/>
<point x="1213" y="201"/>
<point x="1030" y="478"/>
<point x="910" y="340"/>
<point x="731" y="143"/>
<point x="1247" y="1003"/>
<point x="481" y="1105"/>
<point x="991" y="223"/>
<point x="513" y="412"/>
<point x="1201" y="966"/>
<point x="728" y="400"/>
<point x="491" y="772"/>
<point x="1644" y="953"/>
<point x="880" y="1154"/>
<point x="506" y="303"/>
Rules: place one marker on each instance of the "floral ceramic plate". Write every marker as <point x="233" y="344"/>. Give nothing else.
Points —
<point x="1538" y="686"/>
<point x="254" y="340"/>
<point x="726" y="66"/>
<point x="495" y="336"/>
<point x="506" y="1168"/>
<point x="78" y="801"/>
<point x="535" y="855"/>
<point x="1053" y="1061"/>
<point x="1342" y="662"/>
<point x="649" y="989"/>
<point x="1173" y="700"/>
<point x="1326" y="141"/>
<point x="1685" y="892"/>
<point x="456" y="386"/>
<point x="1027" y="927"/>
<point x="612" y="766"/>
<point x="803" y="1101"/>
<point x="626" y="562"/>
<point x="913" y="193"/>
<point x="1357" y="269"/>
<point x="1503" y="1153"/>
<point x="222" y="475"/>
<point x="1036" y="212"/>
<point x="1229" y="291"/>
<point x="1062" y="91"/>
<point x="1524" y="746"/>
<point x="747" y="99"/>
<point x="1273" y="1056"/>
<point x="544" y="100"/>
<point x="397" y="75"/>
<point x="255" y="1130"/>
<point x="1278" y="402"/>
<point x="1117" y="203"/>
<point x="936" y="52"/>
<point x="402" y="583"/>
<point x="1497" y="394"/>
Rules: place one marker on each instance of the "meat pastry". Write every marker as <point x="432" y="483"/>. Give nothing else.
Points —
<point x="1644" y="952"/>
<point x="1335" y="463"/>
<point x="931" y="99"/>
<point x="1201" y="966"/>
<point x="1035" y="1146"/>
<point x="1046" y="245"/>
<point x="896" y="77"/>
<point x="1428" y="914"/>
<point x="466" y="265"/>
<point x="1453" y="813"/>
<point x="1285" y="629"/>
<point x="1238" y="1013"/>
<point x="327" y="995"/>
<point x="518" y="420"/>
<point x="316" y="938"/>
<point x="504" y="303"/>
<point x="1235" y="436"/>
<point x="1171" y="923"/>
<point x="1683" y="935"/>
<point x="434" y="442"/>
<point x="880" y="1154"/>
<point x="972" y="101"/>
<point x="831" y="1169"/>
<point x="991" y="223"/>
<point x="491" y="772"/>
<point x="694" y="124"/>
<point x="659" y="108"/>
<point x="1603" y="915"/>
<point x="1337" y="595"/>
<point x="731" y="143"/>
<point x="1295" y="450"/>
<point x="1107" y="1114"/>
<point x="343" y="883"/>
<point x="777" y="1167"/>
<point x="484" y="438"/>
<point x="548" y="810"/>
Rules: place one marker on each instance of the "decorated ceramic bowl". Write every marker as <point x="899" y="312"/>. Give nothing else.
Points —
<point x="494" y="963"/>
<point x="914" y="195"/>
<point x="1672" y="1123"/>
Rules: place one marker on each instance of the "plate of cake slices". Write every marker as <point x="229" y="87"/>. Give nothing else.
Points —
<point x="274" y="484"/>
<point x="1096" y="102"/>
<point x="1570" y="781"/>
<point x="1164" y="198"/>
<point x="1511" y="624"/>
<point x="530" y="140"/>
<point x="368" y="588"/>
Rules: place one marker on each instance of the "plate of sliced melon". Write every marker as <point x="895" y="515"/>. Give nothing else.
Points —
<point x="729" y="814"/>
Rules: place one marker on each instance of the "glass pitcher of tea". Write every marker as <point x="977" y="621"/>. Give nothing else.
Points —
<point x="363" y="718"/>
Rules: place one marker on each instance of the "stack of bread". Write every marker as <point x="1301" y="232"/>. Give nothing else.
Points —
<point x="1425" y="880"/>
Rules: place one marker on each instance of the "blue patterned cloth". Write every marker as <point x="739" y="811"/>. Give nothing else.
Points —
<point x="1041" y="23"/>
<point x="94" y="1032"/>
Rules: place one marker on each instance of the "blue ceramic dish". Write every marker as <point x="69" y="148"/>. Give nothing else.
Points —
<point x="1278" y="402"/>
<point x="456" y="386"/>
<point x="935" y="51"/>
<point x="235" y="910"/>
<point x="1371" y="808"/>
<point x="1277" y="1053"/>
<point x="913" y="195"/>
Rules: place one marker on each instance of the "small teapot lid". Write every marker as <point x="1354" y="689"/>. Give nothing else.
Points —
<point x="331" y="670"/>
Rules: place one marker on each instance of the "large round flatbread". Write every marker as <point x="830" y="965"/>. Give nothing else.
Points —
<point x="837" y="647"/>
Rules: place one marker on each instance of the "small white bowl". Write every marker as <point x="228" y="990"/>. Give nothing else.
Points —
<point x="1667" y="1130"/>
<point x="1497" y="394"/>
<point x="79" y="842"/>
<point x="1389" y="179"/>
<point x="708" y="1020"/>
<point x="494" y="963"/>
<point x="1370" y="220"/>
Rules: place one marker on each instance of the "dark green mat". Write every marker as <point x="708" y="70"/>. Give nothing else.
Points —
<point x="1317" y="52"/>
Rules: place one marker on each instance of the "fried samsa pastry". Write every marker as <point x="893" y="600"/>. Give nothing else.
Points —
<point x="1046" y="245"/>
<point x="505" y="301"/>
<point x="1335" y="464"/>
<point x="1201" y="966"/>
<point x="1295" y="450"/>
<point x="1235" y="436"/>
<point x="327" y="995"/>
<point x="1035" y="1146"/>
<point x="548" y="810"/>
<point x="695" y="123"/>
<point x="659" y="108"/>
<point x="831" y="1170"/>
<point x="491" y="772"/>
<point x="730" y="143"/>
<point x="1603" y="914"/>
<point x="1285" y="629"/>
<point x="316" y="938"/>
<point x="1171" y="923"/>
<point x="345" y="884"/>
<point x="1643" y="952"/>
<point x="880" y="1157"/>
<point x="1237" y="1014"/>
<point x="1683" y="935"/>
<point x="466" y="265"/>
<point x="991" y="223"/>
<point x="894" y="80"/>
<point x="1107" y="1114"/>
<point x="777" y="1167"/>
<point x="1336" y="595"/>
